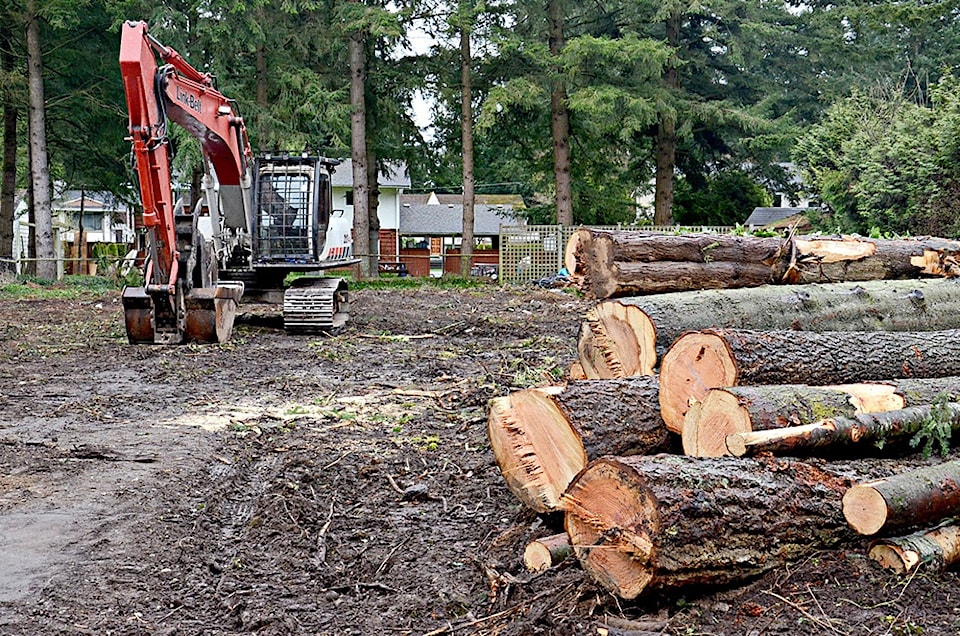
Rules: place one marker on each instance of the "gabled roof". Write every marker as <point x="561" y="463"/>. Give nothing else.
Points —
<point x="91" y="201"/>
<point x="395" y="176"/>
<point x="765" y="216"/>
<point x="447" y="220"/>
<point x="514" y="201"/>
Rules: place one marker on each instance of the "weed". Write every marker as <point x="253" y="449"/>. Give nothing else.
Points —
<point x="296" y="409"/>
<point x="936" y="428"/>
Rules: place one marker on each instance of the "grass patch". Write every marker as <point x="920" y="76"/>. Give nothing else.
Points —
<point x="69" y="288"/>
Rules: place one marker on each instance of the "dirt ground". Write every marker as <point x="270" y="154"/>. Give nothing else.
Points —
<point x="345" y="485"/>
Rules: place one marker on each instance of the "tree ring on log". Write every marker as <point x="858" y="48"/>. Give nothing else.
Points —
<point x="612" y="529"/>
<point x="520" y="427"/>
<point x="705" y="429"/>
<point x="695" y="363"/>
<point x="617" y="341"/>
<point x="865" y="509"/>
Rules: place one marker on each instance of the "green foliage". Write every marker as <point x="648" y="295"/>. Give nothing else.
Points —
<point x="936" y="429"/>
<point x="886" y="164"/>
<point x="727" y="198"/>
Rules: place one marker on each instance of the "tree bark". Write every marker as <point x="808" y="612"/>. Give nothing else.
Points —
<point x="835" y="433"/>
<point x="9" y="159"/>
<point x="560" y="121"/>
<point x="909" y="305"/>
<point x="373" y="222"/>
<point x="730" y="411"/>
<point x="933" y="549"/>
<point x="666" y="142"/>
<point x="466" y="127"/>
<point x="39" y="162"/>
<point x="542" y="554"/>
<point x="924" y="496"/>
<point x="358" y="138"/>
<point x="541" y="438"/>
<point x="717" y="358"/>
<point x="664" y="521"/>
<point x="608" y="263"/>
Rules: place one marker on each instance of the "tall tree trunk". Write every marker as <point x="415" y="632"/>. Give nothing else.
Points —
<point x="40" y="176"/>
<point x="373" y="181"/>
<point x="358" y="137"/>
<point x="666" y="150"/>
<point x="560" y="122"/>
<point x="466" y="123"/>
<point x="9" y="160"/>
<point x="264" y="139"/>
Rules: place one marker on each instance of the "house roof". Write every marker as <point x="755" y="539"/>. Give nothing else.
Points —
<point x="90" y="200"/>
<point x="514" y="201"/>
<point x="395" y="176"/>
<point x="765" y="216"/>
<point x="447" y="220"/>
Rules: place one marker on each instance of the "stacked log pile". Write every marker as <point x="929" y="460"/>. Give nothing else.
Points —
<point x="738" y="378"/>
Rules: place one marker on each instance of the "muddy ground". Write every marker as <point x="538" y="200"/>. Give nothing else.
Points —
<point x="303" y="485"/>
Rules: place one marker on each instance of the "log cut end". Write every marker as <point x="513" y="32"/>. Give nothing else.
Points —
<point x="894" y="557"/>
<point x="542" y="554"/>
<point x="707" y="427"/>
<point x="865" y="509"/>
<point x="538" y="451"/>
<point x="588" y="257"/>
<point x="872" y="397"/>
<point x="695" y="363"/>
<point x="617" y="341"/>
<point x="611" y="519"/>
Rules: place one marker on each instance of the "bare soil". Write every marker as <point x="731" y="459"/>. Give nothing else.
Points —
<point x="302" y="485"/>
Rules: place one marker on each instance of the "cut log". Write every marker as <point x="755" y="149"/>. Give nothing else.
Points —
<point x="541" y="438"/>
<point x="913" y="305"/>
<point x="831" y="434"/>
<point x="663" y="521"/>
<point x="616" y="341"/>
<point x="717" y="358"/>
<point x="742" y="409"/>
<point x="934" y="549"/>
<point x="917" y="497"/>
<point x="542" y="554"/>
<point x="605" y="263"/>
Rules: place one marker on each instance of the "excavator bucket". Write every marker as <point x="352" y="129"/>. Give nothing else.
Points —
<point x="138" y="315"/>
<point x="210" y="312"/>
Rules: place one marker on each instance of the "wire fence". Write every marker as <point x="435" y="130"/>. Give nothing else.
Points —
<point x="531" y="253"/>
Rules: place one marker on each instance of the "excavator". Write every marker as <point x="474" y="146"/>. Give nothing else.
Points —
<point x="258" y="219"/>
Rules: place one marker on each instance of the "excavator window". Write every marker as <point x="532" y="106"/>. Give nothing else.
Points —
<point x="284" y="204"/>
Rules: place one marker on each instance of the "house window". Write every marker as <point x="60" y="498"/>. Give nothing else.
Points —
<point x="92" y="222"/>
<point x="348" y="195"/>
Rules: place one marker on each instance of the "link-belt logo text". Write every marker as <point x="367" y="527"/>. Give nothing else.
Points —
<point x="191" y="101"/>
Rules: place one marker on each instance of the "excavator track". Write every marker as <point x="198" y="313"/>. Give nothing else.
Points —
<point x="315" y="305"/>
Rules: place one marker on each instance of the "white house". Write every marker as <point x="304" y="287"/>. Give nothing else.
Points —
<point x="392" y="183"/>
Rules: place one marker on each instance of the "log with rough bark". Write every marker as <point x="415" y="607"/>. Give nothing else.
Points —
<point x="933" y="549"/>
<point x="541" y="438"/>
<point x="743" y="409"/>
<point x="618" y="333"/>
<point x="542" y="554"/>
<point x="829" y="435"/>
<point x="663" y="521"/>
<point x="917" y="497"/>
<point x="605" y="263"/>
<point x="699" y="361"/>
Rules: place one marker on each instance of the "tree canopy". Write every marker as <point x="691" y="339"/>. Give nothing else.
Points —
<point x="701" y="103"/>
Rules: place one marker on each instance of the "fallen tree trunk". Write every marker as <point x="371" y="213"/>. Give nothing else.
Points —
<point x="934" y="549"/>
<point x="619" y="333"/>
<point x="889" y="427"/>
<point x="542" y="554"/>
<point x="716" y="358"/>
<point x="541" y="438"/>
<point x="639" y="522"/>
<point x="608" y="263"/>
<point x="916" y="497"/>
<point x="742" y="409"/>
